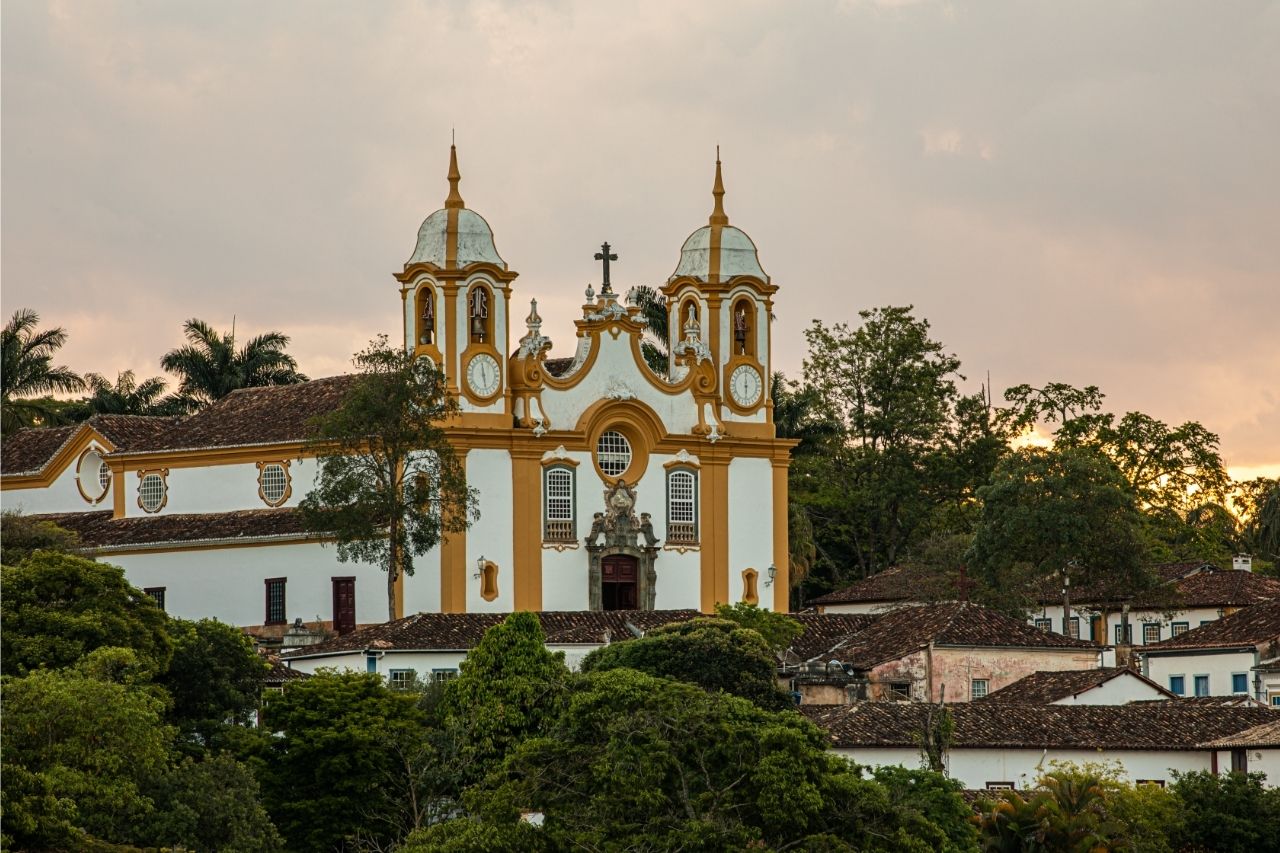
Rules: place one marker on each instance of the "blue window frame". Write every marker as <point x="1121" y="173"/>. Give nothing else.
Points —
<point x="371" y="663"/>
<point x="1275" y="699"/>
<point x="1202" y="685"/>
<point x="1181" y="628"/>
<point x="1239" y="682"/>
<point x="1178" y="685"/>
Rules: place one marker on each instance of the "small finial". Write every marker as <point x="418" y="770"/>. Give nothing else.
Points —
<point x="533" y="321"/>
<point x="590" y="294"/>
<point x="455" y="198"/>
<point x="718" y="216"/>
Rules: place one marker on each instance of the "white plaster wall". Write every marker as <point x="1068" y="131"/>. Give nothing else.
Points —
<point x="61" y="495"/>
<point x="421" y="662"/>
<point x="868" y="606"/>
<point x="422" y="589"/>
<point x="1121" y="690"/>
<point x="490" y="537"/>
<point x="564" y="578"/>
<point x="1192" y="616"/>
<point x="219" y="488"/>
<point x="750" y="526"/>
<point x="679" y="580"/>
<point x="227" y="583"/>
<point x="1219" y="667"/>
<point x="974" y="768"/>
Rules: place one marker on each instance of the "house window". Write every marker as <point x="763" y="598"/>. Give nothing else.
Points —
<point x="978" y="688"/>
<point x="1274" y="698"/>
<point x="558" y="491"/>
<point x="1201" y="685"/>
<point x="1072" y="627"/>
<point x="153" y="490"/>
<point x="682" y="507"/>
<point x="1239" y="682"/>
<point x="1124" y="635"/>
<point x="999" y="786"/>
<point x="1044" y="624"/>
<point x="899" y="690"/>
<point x="275" y="601"/>
<point x="439" y="676"/>
<point x="273" y="482"/>
<point x="1204" y="622"/>
<point x="1159" y="783"/>
<point x="1239" y="761"/>
<point x="1180" y="628"/>
<point x="613" y="453"/>
<point x="1150" y="632"/>
<point x="1178" y="685"/>
<point x="157" y="595"/>
<point x="400" y="679"/>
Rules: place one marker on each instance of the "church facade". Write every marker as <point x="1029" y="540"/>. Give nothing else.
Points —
<point x="603" y="484"/>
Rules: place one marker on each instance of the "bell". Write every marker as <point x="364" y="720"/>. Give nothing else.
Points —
<point x="477" y="328"/>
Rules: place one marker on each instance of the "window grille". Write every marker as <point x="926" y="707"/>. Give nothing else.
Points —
<point x="1202" y="685"/>
<point x="441" y="675"/>
<point x="979" y="688"/>
<point x="899" y="690"/>
<point x="1073" y="627"/>
<point x="1044" y="624"/>
<point x="1124" y="635"/>
<point x="157" y="595"/>
<point x="682" y="507"/>
<point x="151" y="492"/>
<point x="275" y="601"/>
<point x="104" y="476"/>
<point x="400" y="679"/>
<point x="613" y="453"/>
<point x="558" y="493"/>
<point x="1150" y="633"/>
<point x="1180" y="628"/>
<point x="274" y="482"/>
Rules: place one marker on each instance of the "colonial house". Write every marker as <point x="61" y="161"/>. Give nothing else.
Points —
<point x="938" y="652"/>
<point x="997" y="745"/>
<point x="603" y="484"/>
<point x="1255" y="750"/>
<point x="1237" y="655"/>
<point x="1117" y="685"/>
<point x="896" y="586"/>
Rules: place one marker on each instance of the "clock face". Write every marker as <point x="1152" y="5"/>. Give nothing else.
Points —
<point x="745" y="386"/>
<point x="483" y="375"/>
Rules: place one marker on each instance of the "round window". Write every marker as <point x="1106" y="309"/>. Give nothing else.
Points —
<point x="274" y="482"/>
<point x="613" y="453"/>
<point x="93" y="484"/>
<point x="104" y="476"/>
<point x="151" y="492"/>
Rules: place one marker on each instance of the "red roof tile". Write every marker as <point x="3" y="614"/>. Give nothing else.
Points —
<point x="98" y="531"/>
<point x="1253" y="626"/>
<point x="27" y="451"/>
<point x="1045" y="688"/>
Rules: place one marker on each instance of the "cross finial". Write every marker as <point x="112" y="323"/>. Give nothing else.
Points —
<point x="455" y="198"/>
<point x="605" y="256"/>
<point x="718" y="216"/>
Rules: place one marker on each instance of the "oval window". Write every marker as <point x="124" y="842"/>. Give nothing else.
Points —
<point x="613" y="453"/>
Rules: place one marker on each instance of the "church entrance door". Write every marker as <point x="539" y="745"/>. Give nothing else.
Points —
<point x="618" y="581"/>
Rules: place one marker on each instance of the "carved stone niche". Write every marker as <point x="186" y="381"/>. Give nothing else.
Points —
<point x="628" y="548"/>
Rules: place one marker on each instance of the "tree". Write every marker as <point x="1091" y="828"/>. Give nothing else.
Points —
<point x="778" y="629"/>
<point x="210" y="367"/>
<point x="214" y="678"/>
<point x="1067" y="512"/>
<point x="27" y="371"/>
<point x="388" y="485"/>
<point x="642" y="763"/>
<point x="1258" y="504"/>
<point x="653" y="308"/>
<point x="20" y="535"/>
<point x="57" y="608"/>
<point x="715" y="654"/>
<point x="127" y="396"/>
<point x="208" y="806"/>
<point x="1067" y="812"/>
<point x="1151" y="815"/>
<point x="931" y="798"/>
<point x="327" y="770"/>
<point x="1231" y="812"/>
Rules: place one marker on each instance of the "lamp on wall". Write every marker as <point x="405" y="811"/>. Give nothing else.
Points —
<point x="479" y="566"/>
<point x="773" y="573"/>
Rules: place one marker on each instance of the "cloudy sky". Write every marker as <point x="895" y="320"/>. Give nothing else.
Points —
<point x="1078" y="192"/>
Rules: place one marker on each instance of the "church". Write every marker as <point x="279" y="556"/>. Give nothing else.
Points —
<point x="603" y="484"/>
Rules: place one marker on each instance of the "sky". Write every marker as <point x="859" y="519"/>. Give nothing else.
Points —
<point x="1076" y="192"/>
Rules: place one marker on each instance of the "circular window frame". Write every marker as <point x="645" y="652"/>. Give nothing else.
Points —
<point x="96" y="493"/>
<point x="163" y="475"/>
<point x="639" y="452"/>
<point x="283" y="465"/>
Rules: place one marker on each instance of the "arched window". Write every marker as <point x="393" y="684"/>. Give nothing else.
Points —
<point x="478" y="310"/>
<point x="744" y="327"/>
<point x="426" y="315"/>
<point x="682" y="507"/>
<point x="558" y="504"/>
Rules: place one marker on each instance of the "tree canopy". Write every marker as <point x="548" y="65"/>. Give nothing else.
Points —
<point x="127" y="396"/>
<point x="27" y="372"/>
<point x="209" y="367"/>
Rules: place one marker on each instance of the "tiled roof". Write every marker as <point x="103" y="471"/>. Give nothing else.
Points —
<point x="98" y="530"/>
<point x="1251" y="626"/>
<point x="1238" y="700"/>
<point x="462" y="631"/>
<point x="27" y="451"/>
<point x="1050" y="589"/>
<point x="1265" y="735"/>
<point x="1044" y="688"/>
<point x="278" y="674"/>
<point x="1223" y="588"/>
<point x="557" y="366"/>
<point x="995" y="726"/>
<point x="898" y="583"/>
<point x="823" y="632"/>
<point x="268" y="415"/>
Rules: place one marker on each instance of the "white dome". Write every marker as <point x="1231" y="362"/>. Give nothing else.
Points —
<point x="475" y="240"/>
<point x="737" y="255"/>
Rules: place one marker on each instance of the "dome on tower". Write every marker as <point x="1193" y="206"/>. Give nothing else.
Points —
<point x="718" y="251"/>
<point x="454" y="236"/>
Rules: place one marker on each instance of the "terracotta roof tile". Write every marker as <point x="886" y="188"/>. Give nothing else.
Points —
<point x="99" y="531"/>
<point x="27" y="451"/>
<point x="1251" y="626"/>
<point x="133" y="432"/>
<point x="1045" y="688"/>
<point x="824" y="632"/>
<point x="1222" y="588"/>
<point x="993" y="725"/>
<point x="898" y="583"/>
<point x="278" y="673"/>
<point x="1265" y="735"/>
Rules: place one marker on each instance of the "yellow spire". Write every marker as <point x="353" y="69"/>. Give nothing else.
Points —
<point x="718" y="216"/>
<point x="455" y="198"/>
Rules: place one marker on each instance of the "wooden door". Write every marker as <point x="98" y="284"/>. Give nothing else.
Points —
<point x="618" y="582"/>
<point x="344" y="605"/>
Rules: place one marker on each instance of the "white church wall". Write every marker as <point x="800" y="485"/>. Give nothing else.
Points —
<point x="490" y="537"/>
<point x="220" y="488"/>
<point x="750" y="526"/>
<point x="679" y="580"/>
<point x="62" y="495"/>
<point x="564" y="578"/>
<point x="422" y="590"/>
<point x="228" y="583"/>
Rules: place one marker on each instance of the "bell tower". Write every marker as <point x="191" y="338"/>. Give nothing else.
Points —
<point x="455" y="291"/>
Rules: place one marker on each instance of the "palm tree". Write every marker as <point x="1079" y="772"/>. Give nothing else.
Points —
<point x="28" y="371"/>
<point x="210" y="367"/>
<point x="653" y="307"/>
<point x="127" y="397"/>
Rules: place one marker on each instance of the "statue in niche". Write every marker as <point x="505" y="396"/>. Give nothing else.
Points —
<point x="617" y="535"/>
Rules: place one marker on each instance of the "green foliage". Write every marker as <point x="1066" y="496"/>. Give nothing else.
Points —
<point x="1231" y="812"/>
<point x="653" y="307"/>
<point x="328" y="772"/>
<point x="81" y="750"/>
<point x="1150" y="814"/>
<point x="715" y="654"/>
<point x="127" y="396"/>
<point x="1049" y="511"/>
<point x="20" y="535"/>
<point x="510" y="687"/>
<point x="1066" y="813"/>
<point x="28" y="375"/>
<point x="210" y="367"/>
<point x="214" y="678"/>
<point x="57" y="608"/>
<point x="641" y="763"/>
<point x="924" y="797"/>
<point x="389" y="486"/>
<point x="778" y="629"/>
<point x="1258" y="501"/>
<point x="209" y="806"/>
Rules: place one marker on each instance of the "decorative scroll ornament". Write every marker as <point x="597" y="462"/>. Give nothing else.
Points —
<point x="534" y="344"/>
<point x="692" y="346"/>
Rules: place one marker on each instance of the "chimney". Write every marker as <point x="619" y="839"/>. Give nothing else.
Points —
<point x="1242" y="562"/>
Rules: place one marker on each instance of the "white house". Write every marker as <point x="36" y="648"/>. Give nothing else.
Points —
<point x="1116" y="685"/>
<point x="1255" y="750"/>
<point x="1237" y="655"/>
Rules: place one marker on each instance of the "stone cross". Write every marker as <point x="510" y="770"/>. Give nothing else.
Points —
<point x="605" y="256"/>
